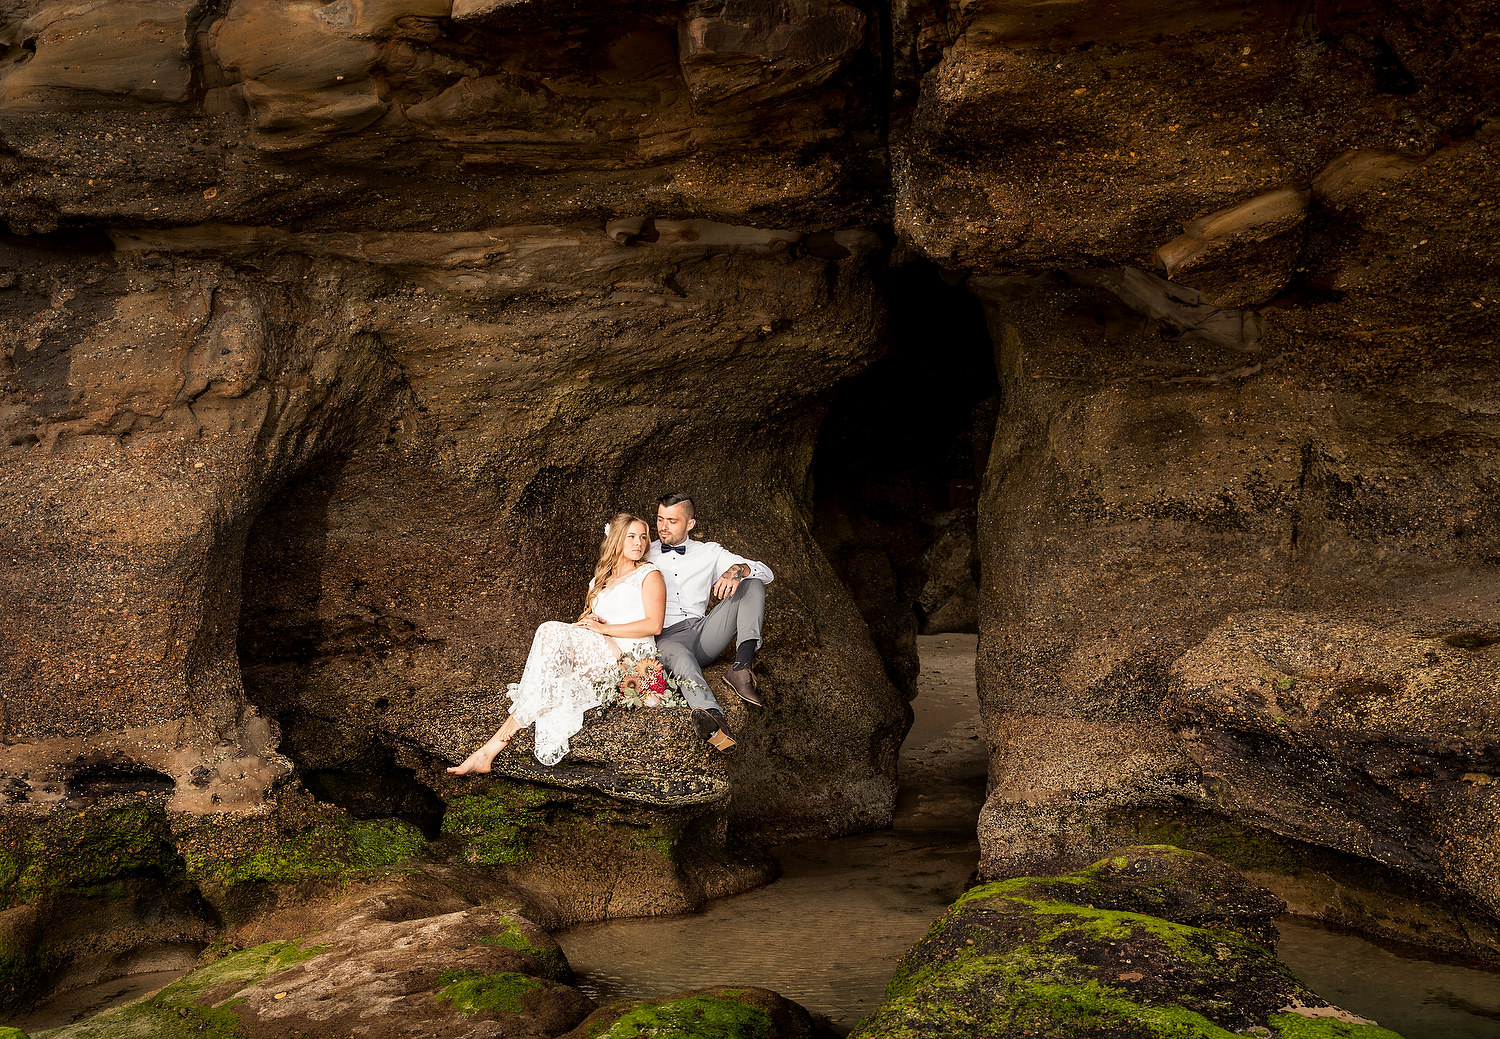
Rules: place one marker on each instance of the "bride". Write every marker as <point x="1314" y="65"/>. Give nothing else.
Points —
<point x="626" y="603"/>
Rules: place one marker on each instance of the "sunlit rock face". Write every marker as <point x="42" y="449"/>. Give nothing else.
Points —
<point x="427" y="115"/>
<point x="1237" y="534"/>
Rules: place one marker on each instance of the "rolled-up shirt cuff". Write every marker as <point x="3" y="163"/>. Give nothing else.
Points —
<point x="760" y="572"/>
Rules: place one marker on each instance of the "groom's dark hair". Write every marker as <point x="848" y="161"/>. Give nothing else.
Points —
<point x="671" y="498"/>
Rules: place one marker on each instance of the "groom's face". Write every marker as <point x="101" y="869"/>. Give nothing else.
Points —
<point x="673" y="523"/>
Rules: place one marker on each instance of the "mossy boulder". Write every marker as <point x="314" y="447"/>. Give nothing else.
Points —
<point x="200" y="1005"/>
<point x="1346" y="890"/>
<point x="1149" y="943"/>
<point x="475" y="971"/>
<point x="596" y="856"/>
<point x="709" y="1013"/>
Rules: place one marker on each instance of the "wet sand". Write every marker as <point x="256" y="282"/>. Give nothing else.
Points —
<point x="74" y="1005"/>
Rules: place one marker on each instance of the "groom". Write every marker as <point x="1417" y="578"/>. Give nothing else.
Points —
<point x="689" y="639"/>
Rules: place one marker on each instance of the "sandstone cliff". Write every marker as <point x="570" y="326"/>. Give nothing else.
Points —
<point x="333" y="330"/>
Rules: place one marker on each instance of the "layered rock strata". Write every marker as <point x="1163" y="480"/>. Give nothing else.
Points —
<point x="1239" y="567"/>
<point x="333" y="334"/>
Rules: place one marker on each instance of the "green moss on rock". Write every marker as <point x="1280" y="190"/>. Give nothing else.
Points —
<point x="1074" y="957"/>
<point x="663" y="844"/>
<point x="512" y="938"/>
<point x="20" y="972"/>
<point x="496" y="827"/>
<point x="10" y="872"/>
<point x="1093" y="1009"/>
<point x="7" y="1032"/>
<point x="82" y="849"/>
<point x="1296" y="1026"/>
<point x="696" y="1017"/>
<point x="181" y="1010"/>
<point x="471" y="991"/>
<point x="550" y="962"/>
<point x="329" y="847"/>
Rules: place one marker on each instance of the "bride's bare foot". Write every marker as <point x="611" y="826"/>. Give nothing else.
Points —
<point x="484" y="757"/>
<point x="479" y="761"/>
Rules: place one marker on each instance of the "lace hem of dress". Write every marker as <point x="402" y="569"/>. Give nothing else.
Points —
<point x="557" y="687"/>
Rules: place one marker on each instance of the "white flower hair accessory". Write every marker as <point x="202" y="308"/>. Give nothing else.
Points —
<point x="606" y="530"/>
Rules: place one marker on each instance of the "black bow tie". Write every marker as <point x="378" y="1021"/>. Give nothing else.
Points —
<point x="679" y="549"/>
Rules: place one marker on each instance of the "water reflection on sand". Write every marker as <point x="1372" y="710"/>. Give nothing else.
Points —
<point x="1418" y="998"/>
<point x="829" y="932"/>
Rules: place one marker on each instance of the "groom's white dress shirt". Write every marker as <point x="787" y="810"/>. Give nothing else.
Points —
<point x="690" y="576"/>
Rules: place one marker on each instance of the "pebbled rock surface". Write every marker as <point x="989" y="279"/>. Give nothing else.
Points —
<point x="1076" y="134"/>
<point x="1151" y="941"/>
<point x="1234" y="385"/>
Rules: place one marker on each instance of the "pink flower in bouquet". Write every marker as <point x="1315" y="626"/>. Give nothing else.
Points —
<point x="657" y="683"/>
<point x="651" y="699"/>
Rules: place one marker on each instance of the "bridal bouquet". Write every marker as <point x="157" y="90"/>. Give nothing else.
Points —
<point x="638" y="682"/>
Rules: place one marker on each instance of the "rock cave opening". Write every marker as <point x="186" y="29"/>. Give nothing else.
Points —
<point x="898" y="465"/>
<point x="286" y="636"/>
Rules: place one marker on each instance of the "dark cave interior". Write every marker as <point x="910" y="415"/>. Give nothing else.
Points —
<point x="898" y="465"/>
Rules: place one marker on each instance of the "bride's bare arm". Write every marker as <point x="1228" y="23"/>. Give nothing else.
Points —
<point x="653" y="598"/>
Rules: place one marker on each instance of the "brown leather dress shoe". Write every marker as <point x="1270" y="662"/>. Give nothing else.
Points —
<point x="711" y="726"/>
<point x="743" y="683"/>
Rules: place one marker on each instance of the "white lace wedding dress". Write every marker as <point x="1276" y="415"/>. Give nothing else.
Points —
<point x="557" y="686"/>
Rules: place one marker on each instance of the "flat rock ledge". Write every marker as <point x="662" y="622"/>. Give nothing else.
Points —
<point x="649" y="756"/>
<point x="1149" y="942"/>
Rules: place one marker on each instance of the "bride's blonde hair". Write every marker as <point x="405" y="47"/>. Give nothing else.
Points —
<point x="610" y="550"/>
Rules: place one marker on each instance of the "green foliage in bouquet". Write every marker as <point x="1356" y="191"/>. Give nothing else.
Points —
<point x="638" y="682"/>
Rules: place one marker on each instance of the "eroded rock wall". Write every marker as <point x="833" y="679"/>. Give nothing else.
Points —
<point x="1237" y="539"/>
<point x="333" y="334"/>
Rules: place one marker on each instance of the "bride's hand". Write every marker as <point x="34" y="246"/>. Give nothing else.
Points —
<point x="591" y="622"/>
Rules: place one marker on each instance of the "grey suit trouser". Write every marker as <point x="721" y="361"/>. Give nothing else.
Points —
<point x="688" y="645"/>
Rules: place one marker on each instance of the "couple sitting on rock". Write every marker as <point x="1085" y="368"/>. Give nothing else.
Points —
<point x="647" y="598"/>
